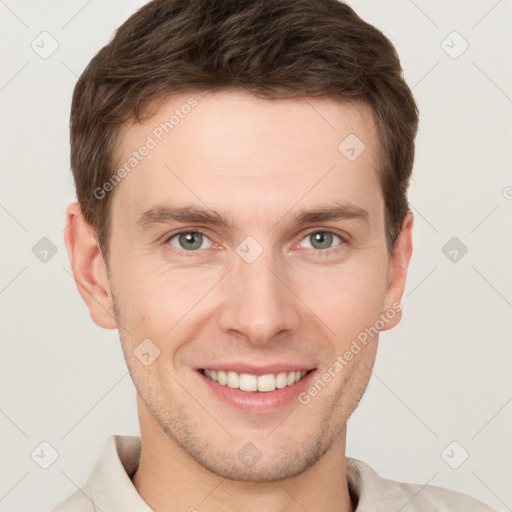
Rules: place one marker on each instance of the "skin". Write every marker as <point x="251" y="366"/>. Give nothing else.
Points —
<point x="259" y="163"/>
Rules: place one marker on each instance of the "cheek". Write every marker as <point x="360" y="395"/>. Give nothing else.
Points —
<point x="347" y="299"/>
<point x="154" y="301"/>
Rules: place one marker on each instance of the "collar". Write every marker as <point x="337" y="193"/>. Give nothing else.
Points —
<point x="110" y="488"/>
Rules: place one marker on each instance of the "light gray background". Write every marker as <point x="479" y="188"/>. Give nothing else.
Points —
<point x="442" y="375"/>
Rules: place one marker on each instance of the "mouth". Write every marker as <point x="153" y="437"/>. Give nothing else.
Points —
<point x="256" y="394"/>
<point x="255" y="383"/>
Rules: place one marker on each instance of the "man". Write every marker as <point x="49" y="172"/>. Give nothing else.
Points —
<point x="242" y="219"/>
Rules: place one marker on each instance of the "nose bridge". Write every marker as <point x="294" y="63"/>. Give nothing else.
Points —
<point x="258" y="304"/>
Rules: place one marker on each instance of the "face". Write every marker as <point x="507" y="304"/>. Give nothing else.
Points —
<point x="247" y="239"/>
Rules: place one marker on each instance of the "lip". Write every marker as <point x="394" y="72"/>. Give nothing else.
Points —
<point x="257" y="370"/>
<point x="257" y="401"/>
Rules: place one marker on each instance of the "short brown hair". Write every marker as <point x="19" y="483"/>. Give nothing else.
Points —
<point x="272" y="48"/>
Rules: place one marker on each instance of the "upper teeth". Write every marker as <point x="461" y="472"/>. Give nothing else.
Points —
<point x="247" y="382"/>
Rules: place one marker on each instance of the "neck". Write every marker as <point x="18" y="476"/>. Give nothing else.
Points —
<point x="169" y="479"/>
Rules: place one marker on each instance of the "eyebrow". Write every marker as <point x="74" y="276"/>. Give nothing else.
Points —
<point x="192" y="214"/>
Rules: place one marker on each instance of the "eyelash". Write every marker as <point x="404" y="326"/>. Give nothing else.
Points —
<point x="323" y="252"/>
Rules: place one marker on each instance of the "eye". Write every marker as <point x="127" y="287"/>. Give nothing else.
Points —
<point x="189" y="240"/>
<point x="192" y="241"/>
<point x="321" y="239"/>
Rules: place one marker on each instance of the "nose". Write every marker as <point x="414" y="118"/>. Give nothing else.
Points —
<point x="260" y="303"/>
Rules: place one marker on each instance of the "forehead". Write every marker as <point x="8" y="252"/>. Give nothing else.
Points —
<point x="234" y="152"/>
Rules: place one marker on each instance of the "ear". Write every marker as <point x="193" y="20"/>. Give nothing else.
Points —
<point x="397" y="272"/>
<point x="88" y="267"/>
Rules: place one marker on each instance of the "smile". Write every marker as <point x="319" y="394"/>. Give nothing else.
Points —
<point x="251" y="383"/>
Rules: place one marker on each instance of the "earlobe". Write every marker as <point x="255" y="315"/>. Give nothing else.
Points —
<point x="88" y="267"/>
<point x="397" y="273"/>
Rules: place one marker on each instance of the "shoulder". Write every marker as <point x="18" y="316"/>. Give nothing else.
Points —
<point x="371" y="490"/>
<point x="106" y="477"/>
<point x="77" y="502"/>
<point x="436" y="499"/>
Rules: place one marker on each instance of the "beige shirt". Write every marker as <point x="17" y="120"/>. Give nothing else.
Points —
<point x="110" y="489"/>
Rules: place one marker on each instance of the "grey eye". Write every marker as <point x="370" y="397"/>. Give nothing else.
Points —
<point x="188" y="240"/>
<point x="321" y="239"/>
